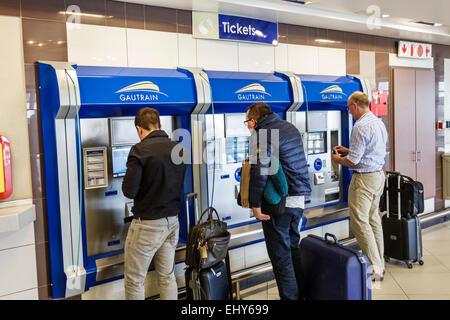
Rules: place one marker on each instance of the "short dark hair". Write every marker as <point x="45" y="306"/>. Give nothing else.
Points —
<point x="147" y="118"/>
<point x="258" y="111"/>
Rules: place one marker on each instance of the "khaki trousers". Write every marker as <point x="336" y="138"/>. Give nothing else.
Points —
<point x="363" y="199"/>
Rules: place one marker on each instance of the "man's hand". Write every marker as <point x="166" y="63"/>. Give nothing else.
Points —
<point x="257" y="213"/>
<point x="340" y="150"/>
<point x="335" y="157"/>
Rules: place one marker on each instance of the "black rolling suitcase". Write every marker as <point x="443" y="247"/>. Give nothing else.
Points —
<point x="402" y="233"/>
<point x="207" y="284"/>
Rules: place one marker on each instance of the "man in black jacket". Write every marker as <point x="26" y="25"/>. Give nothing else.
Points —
<point x="155" y="183"/>
<point x="272" y="136"/>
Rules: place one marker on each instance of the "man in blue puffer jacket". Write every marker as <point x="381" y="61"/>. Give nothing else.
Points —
<point x="272" y="136"/>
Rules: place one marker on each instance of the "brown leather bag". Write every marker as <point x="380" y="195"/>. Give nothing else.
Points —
<point x="207" y="242"/>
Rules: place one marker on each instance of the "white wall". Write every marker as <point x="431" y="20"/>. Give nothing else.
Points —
<point x="110" y="46"/>
<point x="367" y="67"/>
<point x="18" y="274"/>
<point x="395" y="61"/>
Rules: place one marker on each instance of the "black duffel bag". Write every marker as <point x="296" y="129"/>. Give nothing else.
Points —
<point x="411" y="195"/>
<point x="207" y="242"/>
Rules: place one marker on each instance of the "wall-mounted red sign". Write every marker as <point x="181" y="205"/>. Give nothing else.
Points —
<point x="378" y="106"/>
<point x="414" y="50"/>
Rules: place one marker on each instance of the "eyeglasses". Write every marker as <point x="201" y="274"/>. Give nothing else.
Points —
<point x="247" y="121"/>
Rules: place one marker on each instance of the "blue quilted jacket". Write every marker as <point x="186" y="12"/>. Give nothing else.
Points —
<point x="290" y="152"/>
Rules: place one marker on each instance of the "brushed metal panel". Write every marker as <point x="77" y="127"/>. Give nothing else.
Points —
<point x="318" y="191"/>
<point x="221" y="174"/>
<point x="104" y="214"/>
<point x="105" y="208"/>
<point x="327" y="214"/>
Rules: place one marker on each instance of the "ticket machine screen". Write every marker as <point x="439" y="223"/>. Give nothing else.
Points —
<point x="317" y="142"/>
<point x="119" y="160"/>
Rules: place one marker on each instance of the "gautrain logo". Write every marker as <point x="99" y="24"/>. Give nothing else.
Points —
<point x="333" y="92"/>
<point x="254" y="91"/>
<point x="144" y="91"/>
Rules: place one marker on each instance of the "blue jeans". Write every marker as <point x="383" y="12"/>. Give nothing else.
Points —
<point x="282" y="236"/>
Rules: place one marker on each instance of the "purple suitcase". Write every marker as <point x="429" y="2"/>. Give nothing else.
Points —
<point x="331" y="271"/>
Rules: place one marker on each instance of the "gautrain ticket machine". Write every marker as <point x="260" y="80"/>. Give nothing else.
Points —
<point x="324" y="121"/>
<point x="87" y="116"/>
<point x="227" y="136"/>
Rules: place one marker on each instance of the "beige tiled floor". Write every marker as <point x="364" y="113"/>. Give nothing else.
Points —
<point x="428" y="282"/>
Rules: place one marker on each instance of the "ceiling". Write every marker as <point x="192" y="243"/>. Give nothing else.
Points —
<point x="345" y="15"/>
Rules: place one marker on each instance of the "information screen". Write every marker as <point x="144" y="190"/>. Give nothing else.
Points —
<point x="236" y="149"/>
<point x="317" y="142"/>
<point x="119" y="160"/>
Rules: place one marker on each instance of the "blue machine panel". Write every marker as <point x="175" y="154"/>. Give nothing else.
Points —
<point x="234" y="91"/>
<point x="115" y="92"/>
<point x="105" y="92"/>
<point x="327" y="92"/>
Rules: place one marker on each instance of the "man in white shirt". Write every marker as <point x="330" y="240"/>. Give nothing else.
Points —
<point x="365" y="158"/>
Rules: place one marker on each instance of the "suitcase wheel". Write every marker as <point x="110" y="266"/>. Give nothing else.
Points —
<point x="410" y="265"/>
<point x="421" y="262"/>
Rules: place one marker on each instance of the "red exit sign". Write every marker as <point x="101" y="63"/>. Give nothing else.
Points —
<point x="414" y="50"/>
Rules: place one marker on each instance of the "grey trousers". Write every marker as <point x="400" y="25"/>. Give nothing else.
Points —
<point x="149" y="240"/>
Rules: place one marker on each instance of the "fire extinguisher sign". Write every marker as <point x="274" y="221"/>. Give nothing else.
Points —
<point x="414" y="50"/>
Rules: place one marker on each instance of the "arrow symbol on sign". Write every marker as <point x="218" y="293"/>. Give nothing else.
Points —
<point x="427" y="51"/>
<point x="404" y="48"/>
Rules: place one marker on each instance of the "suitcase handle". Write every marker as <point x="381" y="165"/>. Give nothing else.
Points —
<point x="395" y="173"/>
<point x="327" y="235"/>
<point x="192" y="194"/>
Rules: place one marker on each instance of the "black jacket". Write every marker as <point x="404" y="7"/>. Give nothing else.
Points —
<point x="291" y="155"/>
<point x="152" y="179"/>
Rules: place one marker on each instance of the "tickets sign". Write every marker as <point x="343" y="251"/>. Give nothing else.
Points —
<point x="224" y="27"/>
<point x="414" y="50"/>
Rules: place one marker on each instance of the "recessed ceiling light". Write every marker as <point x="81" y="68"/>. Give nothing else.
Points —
<point x="386" y="15"/>
<point x="327" y="41"/>
<point x="91" y="15"/>
<point x="431" y="24"/>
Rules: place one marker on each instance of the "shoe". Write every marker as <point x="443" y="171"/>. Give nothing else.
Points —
<point x="377" y="277"/>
